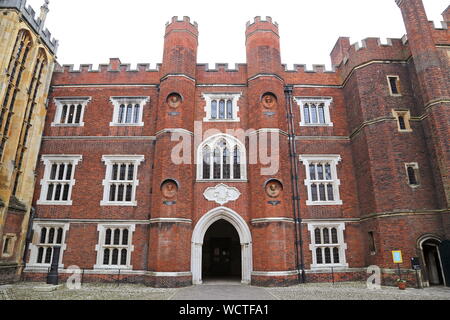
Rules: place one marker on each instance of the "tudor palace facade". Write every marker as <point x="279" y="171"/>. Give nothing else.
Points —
<point x="174" y="176"/>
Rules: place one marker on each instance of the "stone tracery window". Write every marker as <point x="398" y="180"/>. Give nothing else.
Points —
<point x="47" y="236"/>
<point x="327" y="244"/>
<point x="70" y="111"/>
<point x="39" y="72"/>
<point x="221" y="157"/>
<point x="121" y="180"/>
<point x="16" y="67"/>
<point x="128" y="111"/>
<point x="221" y="107"/>
<point x="115" y="246"/>
<point x="321" y="179"/>
<point x="59" y="179"/>
<point x="315" y="111"/>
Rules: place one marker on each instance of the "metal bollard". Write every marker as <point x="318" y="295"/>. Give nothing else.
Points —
<point x="52" y="277"/>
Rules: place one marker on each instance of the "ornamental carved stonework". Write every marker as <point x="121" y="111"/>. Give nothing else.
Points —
<point x="274" y="189"/>
<point x="174" y="100"/>
<point x="169" y="189"/>
<point x="222" y="194"/>
<point x="269" y="101"/>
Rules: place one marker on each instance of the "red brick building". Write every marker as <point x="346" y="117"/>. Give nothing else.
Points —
<point x="162" y="176"/>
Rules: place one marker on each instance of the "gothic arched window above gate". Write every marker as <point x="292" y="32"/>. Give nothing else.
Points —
<point x="221" y="157"/>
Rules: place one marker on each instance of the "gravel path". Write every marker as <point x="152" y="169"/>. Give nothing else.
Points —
<point x="26" y="291"/>
<point x="357" y="291"/>
<point x="341" y="291"/>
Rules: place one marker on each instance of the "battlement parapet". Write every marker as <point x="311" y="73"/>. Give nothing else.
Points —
<point x="259" y="24"/>
<point x="258" y="19"/>
<point x="184" y="23"/>
<point x="376" y="44"/>
<point x="303" y="68"/>
<point x="438" y="25"/>
<point x="35" y="23"/>
<point x="185" y="19"/>
<point x="220" y="67"/>
<point x="343" y="51"/>
<point x="346" y="56"/>
<point x="114" y="66"/>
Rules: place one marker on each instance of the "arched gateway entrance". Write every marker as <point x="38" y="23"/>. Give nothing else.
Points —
<point x="432" y="258"/>
<point x="215" y="241"/>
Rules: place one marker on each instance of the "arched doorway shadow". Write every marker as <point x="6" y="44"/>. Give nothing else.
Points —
<point x="432" y="262"/>
<point x="221" y="253"/>
<point x="223" y="216"/>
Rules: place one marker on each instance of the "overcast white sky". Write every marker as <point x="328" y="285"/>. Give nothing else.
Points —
<point x="92" y="31"/>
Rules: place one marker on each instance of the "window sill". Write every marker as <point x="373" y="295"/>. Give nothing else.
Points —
<point x="118" y="204"/>
<point x="323" y="203"/>
<point x="49" y="203"/>
<point x="327" y="267"/>
<point x="42" y="266"/>
<point x="219" y="180"/>
<point x="222" y="120"/>
<point x="141" y="124"/>
<point x="103" y="268"/>
<point x="67" y="125"/>
<point x="316" y="125"/>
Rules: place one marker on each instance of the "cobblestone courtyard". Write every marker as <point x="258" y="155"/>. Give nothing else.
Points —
<point x="225" y="291"/>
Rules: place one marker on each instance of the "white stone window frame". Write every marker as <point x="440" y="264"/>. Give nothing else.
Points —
<point x="11" y="245"/>
<point x="210" y="97"/>
<point x="101" y="228"/>
<point x="49" y="160"/>
<point x="327" y="101"/>
<point x="109" y="161"/>
<point x="406" y="114"/>
<point x="118" y="101"/>
<point x="232" y="142"/>
<point x="416" y="168"/>
<point x="61" y="101"/>
<point x="35" y="244"/>
<point x="342" y="246"/>
<point x="333" y="160"/>
<point x="398" y="83"/>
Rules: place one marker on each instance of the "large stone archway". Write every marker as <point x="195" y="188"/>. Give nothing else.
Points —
<point x="198" y="237"/>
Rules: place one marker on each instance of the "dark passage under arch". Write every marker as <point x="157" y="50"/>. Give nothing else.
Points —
<point x="221" y="252"/>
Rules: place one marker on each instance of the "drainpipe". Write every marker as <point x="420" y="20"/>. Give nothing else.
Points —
<point x="295" y="190"/>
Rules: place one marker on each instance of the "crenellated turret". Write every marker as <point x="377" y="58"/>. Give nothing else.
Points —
<point x="271" y="213"/>
<point x="263" y="47"/>
<point x="432" y="74"/>
<point x="172" y="197"/>
<point x="180" y="48"/>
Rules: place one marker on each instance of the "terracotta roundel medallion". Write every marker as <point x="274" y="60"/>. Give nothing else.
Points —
<point x="169" y="189"/>
<point x="174" y="100"/>
<point x="269" y="101"/>
<point x="274" y="188"/>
